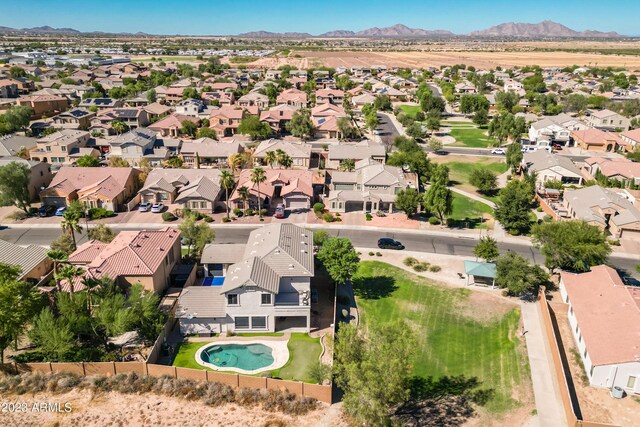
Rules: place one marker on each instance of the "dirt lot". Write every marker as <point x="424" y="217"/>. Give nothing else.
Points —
<point x="114" y="409"/>
<point x="596" y="404"/>
<point x="481" y="56"/>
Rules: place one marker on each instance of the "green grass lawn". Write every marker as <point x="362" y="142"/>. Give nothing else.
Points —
<point x="304" y="351"/>
<point x="450" y="341"/>
<point x="470" y="137"/>
<point x="460" y="172"/>
<point x="469" y="209"/>
<point x="410" y="110"/>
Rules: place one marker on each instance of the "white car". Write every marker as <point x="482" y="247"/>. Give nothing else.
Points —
<point x="157" y="207"/>
<point x="498" y="151"/>
<point x="144" y="207"/>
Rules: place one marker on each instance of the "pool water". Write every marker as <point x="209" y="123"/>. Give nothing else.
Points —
<point x="241" y="356"/>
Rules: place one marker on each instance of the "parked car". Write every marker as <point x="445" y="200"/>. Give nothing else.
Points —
<point x="387" y="243"/>
<point x="144" y="207"/>
<point x="61" y="211"/>
<point x="46" y="210"/>
<point x="157" y="207"/>
<point x="279" y="211"/>
<point x="498" y="151"/>
<point x="557" y="147"/>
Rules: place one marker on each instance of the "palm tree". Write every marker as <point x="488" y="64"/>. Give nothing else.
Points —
<point x="58" y="257"/>
<point x="286" y="161"/>
<point x="118" y="126"/>
<point x="91" y="285"/>
<point x="70" y="272"/>
<point x="258" y="176"/>
<point x="71" y="224"/>
<point x="227" y="182"/>
<point x="280" y="156"/>
<point x="270" y="158"/>
<point x="244" y="193"/>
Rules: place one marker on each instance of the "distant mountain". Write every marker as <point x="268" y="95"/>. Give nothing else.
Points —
<point x="338" y="34"/>
<point x="400" y="30"/>
<point x="38" y="30"/>
<point x="542" y="29"/>
<point x="270" y="35"/>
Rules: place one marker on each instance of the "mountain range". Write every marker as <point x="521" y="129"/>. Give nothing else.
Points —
<point x="545" y="29"/>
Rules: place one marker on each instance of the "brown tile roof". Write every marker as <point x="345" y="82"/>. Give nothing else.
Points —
<point x="608" y="314"/>
<point x="596" y="136"/>
<point x="75" y="178"/>
<point x="287" y="176"/>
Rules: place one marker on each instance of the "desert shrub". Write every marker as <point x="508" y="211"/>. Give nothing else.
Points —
<point x="250" y="212"/>
<point x="409" y="261"/>
<point x="168" y="216"/>
<point x="435" y="268"/>
<point x="208" y="219"/>
<point x="434" y="221"/>
<point x="225" y="219"/>
<point x="318" y="208"/>
<point x="420" y="267"/>
<point x="17" y="215"/>
<point x="237" y="212"/>
<point x="319" y="372"/>
<point x="378" y="254"/>
<point x="614" y="242"/>
<point x="371" y="253"/>
<point x="328" y="217"/>
<point x="539" y="209"/>
<point x="263" y="211"/>
<point x="368" y="217"/>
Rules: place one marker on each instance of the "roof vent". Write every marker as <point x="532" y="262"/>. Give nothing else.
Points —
<point x="291" y="266"/>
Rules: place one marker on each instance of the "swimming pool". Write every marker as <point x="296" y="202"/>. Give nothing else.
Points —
<point x="243" y="357"/>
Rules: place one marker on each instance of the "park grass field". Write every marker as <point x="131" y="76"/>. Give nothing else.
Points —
<point x="410" y="110"/>
<point x="471" y="210"/>
<point x="472" y="137"/>
<point x="460" y="168"/>
<point x="458" y="332"/>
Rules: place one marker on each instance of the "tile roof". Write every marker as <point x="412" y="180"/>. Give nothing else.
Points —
<point x="608" y="314"/>
<point x="267" y="188"/>
<point x="27" y="258"/>
<point x="69" y="179"/>
<point x="587" y="203"/>
<point x="201" y="302"/>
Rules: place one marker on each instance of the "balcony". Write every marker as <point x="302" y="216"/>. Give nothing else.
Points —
<point x="293" y="301"/>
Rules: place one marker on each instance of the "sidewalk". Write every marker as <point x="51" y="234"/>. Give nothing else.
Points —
<point x="474" y="197"/>
<point x="545" y="388"/>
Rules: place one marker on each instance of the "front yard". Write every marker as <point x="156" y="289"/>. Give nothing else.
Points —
<point x="304" y="351"/>
<point x="459" y="332"/>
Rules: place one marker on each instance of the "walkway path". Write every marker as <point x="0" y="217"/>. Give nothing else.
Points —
<point x="545" y="388"/>
<point x="474" y="197"/>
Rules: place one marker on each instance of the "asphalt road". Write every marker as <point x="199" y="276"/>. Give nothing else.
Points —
<point x="447" y="245"/>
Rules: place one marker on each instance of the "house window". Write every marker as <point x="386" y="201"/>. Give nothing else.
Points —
<point x="203" y="205"/>
<point x="257" y="322"/>
<point x="585" y="353"/>
<point x="631" y="382"/>
<point x="60" y="159"/>
<point x="194" y="205"/>
<point x="63" y="148"/>
<point x="242" y="322"/>
<point x="232" y="299"/>
<point x="266" y="299"/>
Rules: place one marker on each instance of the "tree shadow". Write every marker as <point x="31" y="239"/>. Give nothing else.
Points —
<point x="447" y="401"/>
<point x="374" y="287"/>
<point x="470" y="223"/>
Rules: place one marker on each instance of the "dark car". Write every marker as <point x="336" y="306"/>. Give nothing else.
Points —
<point x="386" y="243"/>
<point x="46" y="210"/>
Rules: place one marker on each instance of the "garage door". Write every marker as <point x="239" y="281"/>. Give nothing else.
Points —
<point x="297" y="203"/>
<point x="630" y="234"/>
<point x="55" y="201"/>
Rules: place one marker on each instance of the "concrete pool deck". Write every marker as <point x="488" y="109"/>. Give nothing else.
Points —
<point x="279" y="352"/>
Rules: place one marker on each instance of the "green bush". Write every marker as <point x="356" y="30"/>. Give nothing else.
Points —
<point x="99" y="213"/>
<point x="547" y="218"/>
<point x="237" y="212"/>
<point x="250" y="212"/>
<point x="378" y="254"/>
<point x="434" y="221"/>
<point x="168" y="216"/>
<point x="263" y="211"/>
<point x="318" y="208"/>
<point x="409" y="261"/>
<point x="368" y="217"/>
<point x="614" y="242"/>
<point x="371" y="253"/>
<point x="208" y="219"/>
<point x="435" y="268"/>
<point x="225" y="219"/>
<point x="539" y="209"/>
<point x="328" y="217"/>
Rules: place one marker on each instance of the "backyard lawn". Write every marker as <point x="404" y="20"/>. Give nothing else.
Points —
<point x="458" y="332"/>
<point x="303" y="352"/>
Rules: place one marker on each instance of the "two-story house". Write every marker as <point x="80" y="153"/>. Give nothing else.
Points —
<point x="608" y="120"/>
<point x="44" y="105"/>
<point x="57" y="147"/>
<point x="299" y="152"/>
<point x="371" y="187"/>
<point x="143" y="143"/>
<point x="254" y="99"/>
<point x="329" y="96"/>
<point x="225" y="120"/>
<point x="77" y="118"/>
<point x="263" y="287"/>
<point x="207" y="153"/>
<point x="293" y="97"/>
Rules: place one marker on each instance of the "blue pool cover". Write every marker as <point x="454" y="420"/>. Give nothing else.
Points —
<point x="213" y="281"/>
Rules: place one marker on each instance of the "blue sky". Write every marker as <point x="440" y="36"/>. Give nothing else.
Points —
<point x="205" y="17"/>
